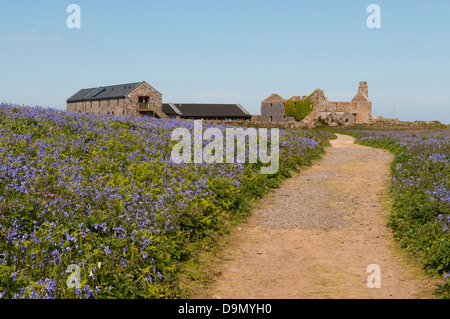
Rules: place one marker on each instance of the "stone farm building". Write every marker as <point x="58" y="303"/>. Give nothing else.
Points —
<point x="132" y="99"/>
<point x="141" y="99"/>
<point x="359" y="110"/>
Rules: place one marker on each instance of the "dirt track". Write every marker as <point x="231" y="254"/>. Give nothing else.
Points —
<point x="315" y="236"/>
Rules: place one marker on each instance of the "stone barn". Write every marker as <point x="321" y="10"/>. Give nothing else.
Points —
<point x="132" y="99"/>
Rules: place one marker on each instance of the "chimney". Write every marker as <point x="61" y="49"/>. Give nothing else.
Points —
<point x="363" y="88"/>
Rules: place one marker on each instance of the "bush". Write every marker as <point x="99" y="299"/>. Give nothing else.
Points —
<point x="299" y="109"/>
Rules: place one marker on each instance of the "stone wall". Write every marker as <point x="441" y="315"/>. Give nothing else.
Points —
<point x="131" y="101"/>
<point x="384" y="121"/>
<point x="265" y="112"/>
<point x="333" y="118"/>
<point x="364" y="110"/>
<point x="272" y="109"/>
<point x="277" y="112"/>
<point x="113" y="106"/>
<point x="351" y="107"/>
<point x="256" y="118"/>
<point x="281" y="125"/>
<point x="272" y="112"/>
<point x="321" y="103"/>
<point x="75" y="107"/>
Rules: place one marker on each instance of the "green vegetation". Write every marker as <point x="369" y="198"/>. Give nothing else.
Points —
<point x="299" y="109"/>
<point x="101" y="195"/>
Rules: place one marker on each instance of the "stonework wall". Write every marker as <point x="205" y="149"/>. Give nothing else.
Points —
<point x="256" y="118"/>
<point x="364" y="112"/>
<point x="272" y="109"/>
<point x="144" y="88"/>
<point x="321" y="103"/>
<point x="333" y="118"/>
<point x="277" y="112"/>
<point x="292" y="125"/>
<point x="114" y="106"/>
<point x="351" y="107"/>
<point x="265" y="112"/>
<point x="272" y="112"/>
<point x="75" y="107"/>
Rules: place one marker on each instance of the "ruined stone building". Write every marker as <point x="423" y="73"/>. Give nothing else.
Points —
<point x="359" y="110"/>
<point x="272" y="109"/>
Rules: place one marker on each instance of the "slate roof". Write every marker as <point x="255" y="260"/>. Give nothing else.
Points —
<point x="186" y="110"/>
<point x="118" y="91"/>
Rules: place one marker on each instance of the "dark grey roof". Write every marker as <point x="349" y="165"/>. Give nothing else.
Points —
<point x="205" y="110"/>
<point x="110" y="92"/>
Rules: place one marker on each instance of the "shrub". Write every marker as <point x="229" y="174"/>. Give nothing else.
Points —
<point x="299" y="109"/>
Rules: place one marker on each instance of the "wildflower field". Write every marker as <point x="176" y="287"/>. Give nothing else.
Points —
<point x="420" y="190"/>
<point x="97" y="197"/>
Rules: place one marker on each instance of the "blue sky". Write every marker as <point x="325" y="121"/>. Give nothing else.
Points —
<point x="234" y="51"/>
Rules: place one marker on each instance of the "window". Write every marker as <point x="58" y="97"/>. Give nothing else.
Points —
<point x="98" y="92"/>
<point x="143" y="99"/>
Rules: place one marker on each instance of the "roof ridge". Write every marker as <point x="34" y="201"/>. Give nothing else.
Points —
<point x="110" y="91"/>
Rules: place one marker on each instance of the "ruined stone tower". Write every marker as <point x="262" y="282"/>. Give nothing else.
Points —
<point x="363" y="93"/>
<point x="363" y="110"/>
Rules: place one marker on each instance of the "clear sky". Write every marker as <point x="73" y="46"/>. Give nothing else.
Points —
<point x="233" y="51"/>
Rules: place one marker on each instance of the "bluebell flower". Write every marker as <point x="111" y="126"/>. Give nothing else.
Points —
<point x="13" y="277"/>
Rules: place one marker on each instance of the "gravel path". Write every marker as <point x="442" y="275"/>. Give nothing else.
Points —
<point x="327" y="196"/>
<point x="315" y="236"/>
